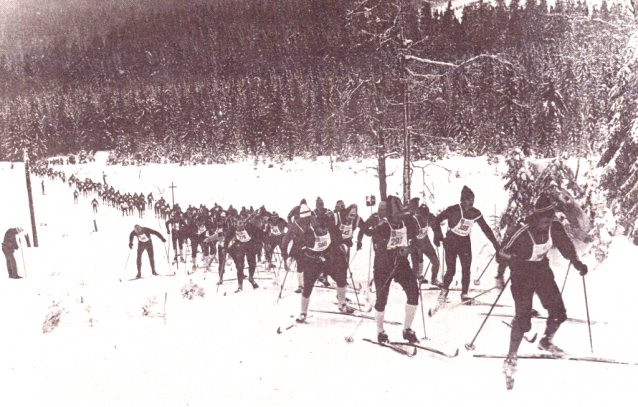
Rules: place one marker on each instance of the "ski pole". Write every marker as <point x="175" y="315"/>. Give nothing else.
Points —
<point x="281" y="290"/>
<point x="425" y="335"/>
<point x="23" y="264"/>
<point x="591" y="344"/>
<point x="565" y="281"/>
<point x="352" y="259"/>
<point x="127" y="257"/>
<point x="478" y="280"/>
<point x="168" y="261"/>
<point x="354" y="287"/>
<point x="470" y="346"/>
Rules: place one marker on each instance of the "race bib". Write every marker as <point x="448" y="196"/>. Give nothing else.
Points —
<point x="321" y="242"/>
<point x="143" y="238"/>
<point x="201" y="229"/>
<point x="464" y="227"/>
<point x="423" y="233"/>
<point x="176" y="226"/>
<point x="242" y="236"/>
<point x="274" y="230"/>
<point x="398" y="238"/>
<point x="346" y="231"/>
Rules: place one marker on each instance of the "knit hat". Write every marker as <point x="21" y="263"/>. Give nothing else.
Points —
<point x="544" y="205"/>
<point x="352" y="210"/>
<point x="413" y="205"/>
<point x="19" y="229"/>
<point x="304" y="211"/>
<point x="340" y="205"/>
<point x="319" y="203"/>
<point x="424" y="210"/>
<point x="383" y="205"/>
<point x="394" y="205"/>
<point x="467" y="193"/>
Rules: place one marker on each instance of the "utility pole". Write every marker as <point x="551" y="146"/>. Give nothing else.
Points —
<point x="28" y="178"/>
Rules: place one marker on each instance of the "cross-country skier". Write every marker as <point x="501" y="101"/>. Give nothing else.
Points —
<point x="424" y="220"/>
<point x="94" y="204"/>
<point x="275" y="228"/>
<point x="242" y="241"/>
<point x="9" y="245"/>
<point x="460" y="219"/>
<point x="525" y="252"/>
<point x="144" y="242"/>
<point x="317" y="248"/>
<point x="393" y="240"/>
<point x="76" y="194"/>
<point x="176" y="227"/>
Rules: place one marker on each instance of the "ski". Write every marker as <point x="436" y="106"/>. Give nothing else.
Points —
<point x="294" y="324"/>
<point x="532" y="340"/>
<point x="427" y="348"/>
<point x="558" y="357"/>
<point x="354" y="316"/>
<point x="437" y="307"/>
<point x="395" y="348"/>
<point x="145" y="277"/>
<point x="574" y="320"/>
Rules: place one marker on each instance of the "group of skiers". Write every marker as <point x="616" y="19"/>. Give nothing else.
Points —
<point x="319" y="241"/>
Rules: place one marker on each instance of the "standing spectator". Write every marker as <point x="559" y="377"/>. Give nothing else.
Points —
<point x="9" y="245"/>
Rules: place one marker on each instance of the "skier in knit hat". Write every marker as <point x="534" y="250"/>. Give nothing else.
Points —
<point x="144" y="243"/>
<point x="460" y="219"/>
<point x="424" y="220"/>
<point x="299" y="223"/>
<point x="317" y="248"/>
<point x="294" y="212"/>
<point x="392" y="239"/>
<point x="525" y="252"/>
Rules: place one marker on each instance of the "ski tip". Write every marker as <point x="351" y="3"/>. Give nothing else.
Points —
<point x="278" y="329"/>
<point x="534" y="338"/>
<point x="430" y="312"/>
<point x="456" y="353"/>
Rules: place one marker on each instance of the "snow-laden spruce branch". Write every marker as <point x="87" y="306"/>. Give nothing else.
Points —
<point x="462" y="64"/>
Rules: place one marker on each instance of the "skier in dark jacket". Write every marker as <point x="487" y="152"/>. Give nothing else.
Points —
<point x="242" y="241"/>
<point x="392" y="239"/>
<point x="9" y="245"/>
<point x="457" y="243"/>
<point x="420" y="214"/>
<point x="525" y="252"/>
<point x="144" y="242"/>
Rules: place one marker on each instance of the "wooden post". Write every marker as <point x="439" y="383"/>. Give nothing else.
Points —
<point x="172" y="187"/>
<point x="28" y="178"/>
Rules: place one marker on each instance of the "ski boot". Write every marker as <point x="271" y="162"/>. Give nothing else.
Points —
<point x="410" y="336"/>
<point x="299" y="290"/>
<point x="239" y="289"/>
<point x="345" y="309"/>
<point x="423" y="280"/>
<point x="509" y="368"/>
<point x="547" y="345"/>
<point x="382" y="337"/>
<point x="155" y="273"/>
<point x="139" y="275"/>
<point x="254" y="284"/>
<point x="443" y="295"/>
<point x="324" y="281"/>
<point x="436" y="282"/>
<point x="301" y="319"/>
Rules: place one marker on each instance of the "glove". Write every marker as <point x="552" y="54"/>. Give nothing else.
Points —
<point x="359" y="245"/>
<point x="163" y="240"/>
<point x="581" y="267"/>
<point x="130" y="245"/>
<point x="168" y="232"/>
<point x="437" y="240"/>
<point x="499" y="283"/>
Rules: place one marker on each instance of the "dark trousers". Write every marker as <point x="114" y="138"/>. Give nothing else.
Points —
<point x="461" y="247"/>
<point x="333" y="265"/>
<point x="530" y="278"/>
<point x="12" y="266"/>
<point x="248" y="250"/>
<point x="392" y="267"/>
<point x="424" y="247"/>
<point x="177" y="239"/>
<point x="140" y="249"/>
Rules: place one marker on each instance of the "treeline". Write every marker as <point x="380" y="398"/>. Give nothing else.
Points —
<point x="217" y="81"/>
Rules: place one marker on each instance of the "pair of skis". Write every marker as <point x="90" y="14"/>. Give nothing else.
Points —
<point x="399" y="347"/>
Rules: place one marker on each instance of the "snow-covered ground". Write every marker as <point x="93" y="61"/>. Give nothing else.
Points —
<point x="224" y="348"/>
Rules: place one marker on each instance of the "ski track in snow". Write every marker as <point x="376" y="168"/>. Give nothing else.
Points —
<point x="225" y="348"/>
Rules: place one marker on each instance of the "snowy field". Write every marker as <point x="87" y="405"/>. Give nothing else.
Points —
<point x="225" y="348"/>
